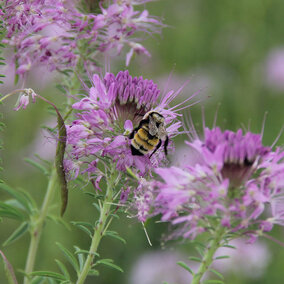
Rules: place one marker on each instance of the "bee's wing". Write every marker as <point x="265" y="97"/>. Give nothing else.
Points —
<point x="153" y="130"/>
<point x="162" y="132"/>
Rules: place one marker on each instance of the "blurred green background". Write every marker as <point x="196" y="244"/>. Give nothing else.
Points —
<point x="232" y="51"/>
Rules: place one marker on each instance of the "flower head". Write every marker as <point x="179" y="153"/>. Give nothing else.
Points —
<point x="24" y="99"/>
<point x="233" y="179"/>
<point x="113" y="108"/>
<point x="55" y="33"/>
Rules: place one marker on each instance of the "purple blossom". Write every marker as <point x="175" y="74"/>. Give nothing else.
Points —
<point x="24" y="99"/>
<point x="106" y="116"/>
<point x="234" y="178"/>
<point x="52" y="33"/>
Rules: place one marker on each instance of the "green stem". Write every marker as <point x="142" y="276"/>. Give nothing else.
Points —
<point x="37" y="224"/>
<point x="99" y="230"/>
<point x="207" y="260"/>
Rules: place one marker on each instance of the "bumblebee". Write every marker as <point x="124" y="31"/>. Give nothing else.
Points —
<point x="149" y="134"/>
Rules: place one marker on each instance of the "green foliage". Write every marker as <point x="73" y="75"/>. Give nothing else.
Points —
<point x="108" y="262"/>
<point x="213" y="281"/>
<point x="69" y="257"/>
<point x="9" y="270"/>
<point x="185" y="266"/>
<point x="216" y="273"/>
<point x="17" y="234"/>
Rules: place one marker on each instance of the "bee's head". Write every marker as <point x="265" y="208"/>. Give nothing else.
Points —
<point x="157" y="117"/>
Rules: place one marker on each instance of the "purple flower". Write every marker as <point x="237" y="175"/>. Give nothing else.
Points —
<point x="234" y="178"/>
<point x="24" y="99"/>
<point x="107" y="115"/>
<point x="55" y="33"/>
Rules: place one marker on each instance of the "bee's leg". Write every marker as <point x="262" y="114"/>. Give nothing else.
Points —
<point x="166" y="145"/>
<point x="158" y="146"/>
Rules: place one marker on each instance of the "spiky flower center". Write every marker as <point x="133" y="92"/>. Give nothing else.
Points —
<point x="240" y="153"/>
<point x="133" y="96"/>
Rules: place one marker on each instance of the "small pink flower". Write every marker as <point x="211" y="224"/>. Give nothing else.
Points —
<point x="24" y="99"/>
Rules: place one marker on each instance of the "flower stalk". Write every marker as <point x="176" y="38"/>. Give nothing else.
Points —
<point x="100" y="228"/>
<point x="37" y="224"/>
<point x="207" y="260"/>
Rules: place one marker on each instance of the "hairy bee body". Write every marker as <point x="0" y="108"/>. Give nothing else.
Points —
<point x="148" y="136"/>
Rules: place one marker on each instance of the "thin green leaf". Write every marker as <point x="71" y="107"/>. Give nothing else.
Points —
<point x="63" y="269"/>
<point x="109" y="262"/>
<point x="115" y="235"/>
<point x="69" y="256"/>
<point x="200" y="251"/>
<point x="15" y="204"/>
<point x="213" y="282"/>
<point x="9" y="211"/>
<point x="193" y="258"/>
<point x="93" y="272"/>
<point x="61" y="88"/>
<point x="16" y="194"/>
<point x="37" y="280"/>
<point x="96" y="205"/>
<point x="84" y="226"/>
<point x="217" y="273"/>
<point x="229" y="246"/>
<point x="52" y="281"/>
<point x="9" y="270"/>
<point x="185" y="266"/>
<point x="81" y="258"/>
<point x="49" y="274"/>
<point x="37" y="165"/>
<point x="17" y="234"/>
<point x="222" y="257"/>
<point x="83" y="251"/>
<point x="59" y="220"/>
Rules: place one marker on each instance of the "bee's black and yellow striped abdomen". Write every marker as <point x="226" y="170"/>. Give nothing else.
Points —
<point x="143" y="142"/>
<point x="147" y="137"/>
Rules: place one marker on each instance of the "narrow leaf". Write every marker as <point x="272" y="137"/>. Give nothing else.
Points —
<point x="84" y="228"/>
<point x="37" y="165"/>
<point x="37" y="280"/>
<point x="229" y="246"/>
<point x="16" y="194"/>
<point x="6" y="210"/>
<point x="69" y="256"/>
<point x="193" y="258"/>
<point x="50" y="274"/>
<point x="83" y="251"/>
<point x="185" y="266"/>
<point x="63" y="269"/>
<point x="93" y="272"/>
<point x="18" y="233"/>
<point x="213" y="282"/>
<point x="222" y="257"/>
<point x="200" y="251"/>
<point x="9" y="270"/>
<point x="115" y="236"/>
<point x="109" y="262"/>
<point x="52" y="281"/>
<point x="217" y="273"/>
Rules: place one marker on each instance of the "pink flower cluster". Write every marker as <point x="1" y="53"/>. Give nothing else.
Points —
<point x="234" y="179"/>
<point x="56" y="32"/>
<point x="107" y="115"/>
